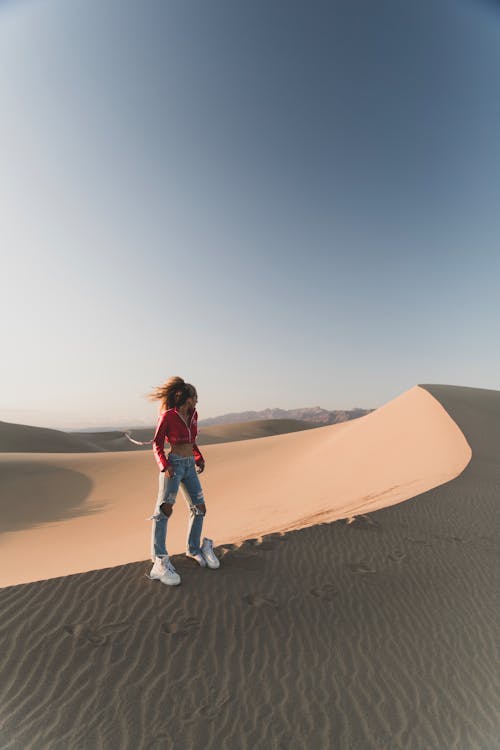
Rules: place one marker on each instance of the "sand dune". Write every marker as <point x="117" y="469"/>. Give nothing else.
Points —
<point x="251" y="488"/>
<point x="26" y="438"/>
<point x="224" y="433"/>
<point x="20" y="438"/>
<point x="375" y="635"/>
<point x="257" y="428"/>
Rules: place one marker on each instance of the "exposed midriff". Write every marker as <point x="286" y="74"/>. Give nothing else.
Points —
<point x="182" y="449"/>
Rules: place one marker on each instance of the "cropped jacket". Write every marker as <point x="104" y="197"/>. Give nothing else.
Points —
<point x="172" y="428"/>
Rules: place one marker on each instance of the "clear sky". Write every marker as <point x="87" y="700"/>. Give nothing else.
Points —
<point x="286" y="203"/>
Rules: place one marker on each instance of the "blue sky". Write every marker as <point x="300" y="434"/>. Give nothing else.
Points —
<point x="288" y="204"/>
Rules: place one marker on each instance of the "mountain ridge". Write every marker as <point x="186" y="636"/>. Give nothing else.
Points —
<point x="312" y="414"/>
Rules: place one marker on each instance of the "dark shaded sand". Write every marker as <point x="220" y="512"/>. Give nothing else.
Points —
<point x="31" y="494"/>
<point x="381" y="633"/>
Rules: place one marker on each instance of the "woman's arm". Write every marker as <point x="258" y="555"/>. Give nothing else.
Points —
<point x="198" y="458"/>
<point x="159" y="443"/>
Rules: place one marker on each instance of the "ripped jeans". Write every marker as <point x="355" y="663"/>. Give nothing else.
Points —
<point x="185" y="474"/>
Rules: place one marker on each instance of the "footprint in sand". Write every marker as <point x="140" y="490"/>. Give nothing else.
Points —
<point x="212" y="709"/>
<point x="361" y="568"/>
<point x="243" y="560"/>
<point x="361" y="522"/>
<point x="327" y="592"/>
<point x="259" y="600"/>
<point x="451" y="538"/>
<point x="276" y="536"/>
<point x="160" y="742"/>
<point x="264" y="544"/>
<point x="95" y="636"/>
<point x="182" y="628"/>
<point x="209" y="708"/>
<point x="416" y="540"/>
<point x="396" y="555"/>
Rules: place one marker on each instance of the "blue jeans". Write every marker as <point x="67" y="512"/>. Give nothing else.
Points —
<point x="185" y="474"/>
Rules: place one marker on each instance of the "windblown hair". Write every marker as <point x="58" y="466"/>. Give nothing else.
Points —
<point x="175" y="392"/>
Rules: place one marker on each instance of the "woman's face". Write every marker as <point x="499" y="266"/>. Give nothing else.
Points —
<point x="192" y="401"/>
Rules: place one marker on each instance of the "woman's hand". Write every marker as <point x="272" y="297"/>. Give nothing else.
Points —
<point x="169" y="471"/>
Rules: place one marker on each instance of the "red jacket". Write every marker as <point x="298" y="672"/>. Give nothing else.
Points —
<point x="172" y="428"/>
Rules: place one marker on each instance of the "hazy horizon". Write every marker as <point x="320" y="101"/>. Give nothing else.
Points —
<point x="288" y="205"/>
<point x="149" y="422"/>
<point x="38" y="421"/>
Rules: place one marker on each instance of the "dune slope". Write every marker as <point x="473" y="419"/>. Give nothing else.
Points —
<point x="28" y="439"/>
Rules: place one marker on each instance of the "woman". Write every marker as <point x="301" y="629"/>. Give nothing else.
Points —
<point x="177" y="424"/>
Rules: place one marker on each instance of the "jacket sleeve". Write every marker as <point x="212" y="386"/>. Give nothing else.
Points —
<point x="198" y="458"/>
<point x="159" y="443"/>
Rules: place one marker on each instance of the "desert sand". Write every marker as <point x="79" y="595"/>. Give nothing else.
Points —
<point x="90" y="510"/>
<point x="354" y="607"/>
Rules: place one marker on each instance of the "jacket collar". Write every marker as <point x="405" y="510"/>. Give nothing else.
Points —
<point x="180" y="415"/>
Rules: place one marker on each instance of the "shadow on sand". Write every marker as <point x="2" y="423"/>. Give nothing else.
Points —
<point x="32" y="494"/>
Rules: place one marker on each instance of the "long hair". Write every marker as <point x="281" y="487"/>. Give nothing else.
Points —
<point x="174" y="392"/>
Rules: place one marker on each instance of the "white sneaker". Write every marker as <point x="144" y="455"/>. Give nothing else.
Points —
<point x="164" y="571"/>
<point x="209" y="554"/>
<point x="198" y="557"/>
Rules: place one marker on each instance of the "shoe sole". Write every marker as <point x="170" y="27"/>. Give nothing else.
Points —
<point x="196" y="561"/>
<point x="211" y="565"/>
<point x="165" y="583"/>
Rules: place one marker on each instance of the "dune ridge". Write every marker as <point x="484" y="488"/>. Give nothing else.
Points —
<point x="20" y="438"/>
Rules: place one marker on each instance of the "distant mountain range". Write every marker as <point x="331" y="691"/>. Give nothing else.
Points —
<point x="312" y="414"/>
